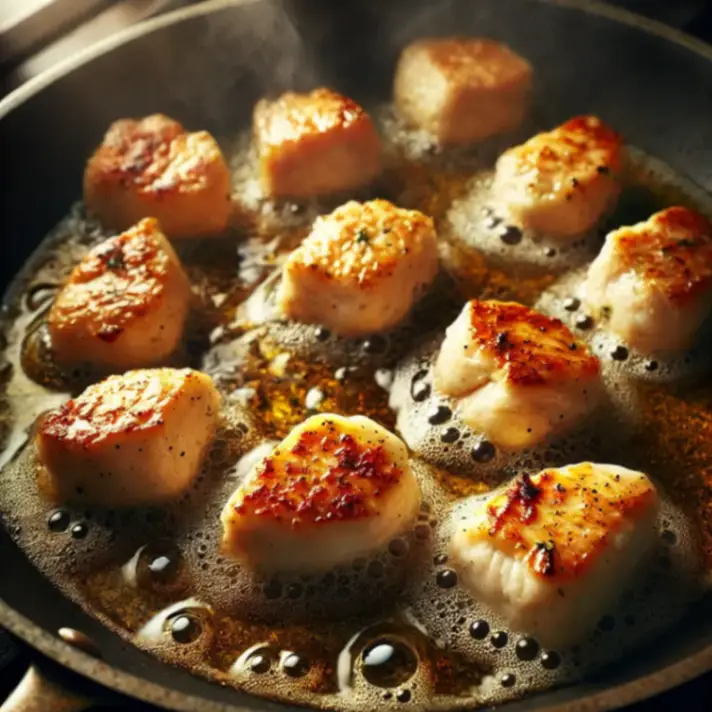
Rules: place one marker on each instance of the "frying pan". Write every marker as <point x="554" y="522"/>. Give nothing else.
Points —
<point x="207" y="66"/>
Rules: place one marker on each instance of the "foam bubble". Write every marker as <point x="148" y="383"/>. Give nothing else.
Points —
<point x="477" y="222"/>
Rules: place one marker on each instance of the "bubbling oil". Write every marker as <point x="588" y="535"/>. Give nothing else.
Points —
<point x="562" y="300"/>
<point x="394" y="629"/>
<point x="429" y="423"/>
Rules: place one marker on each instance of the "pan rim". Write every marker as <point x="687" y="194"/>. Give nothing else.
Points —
<point x="145" y="690"/>
<point x="44" y="79"/>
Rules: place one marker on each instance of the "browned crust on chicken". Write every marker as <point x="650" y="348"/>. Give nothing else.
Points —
<point x="473" y="61"/>
<point x="294" y="116"/>
<point x="113" y="407"/>
<point x="569" y="143"/>
<point x="565" y="544"/>
<point x="532" y="348"/>
<point x="136" y="153"/>
<point x="325" y="477"/>
<point x="672" y="250"/>
<point x="153" y="168"/>
<point x="119" y="281"/>
<point x="373" y="237"/>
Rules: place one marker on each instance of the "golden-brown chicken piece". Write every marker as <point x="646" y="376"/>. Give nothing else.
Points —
<point x="125" y="303"/>
<point x="653" y="280"/>
<point x="360" y="269"/>
<point x="559" y="183"/>
<point x="334" y="489"/>
<point x="314" y="144"/>
<point x="154" y="168"/>
<point x="462" y="89"/>
<point x="554" y="550"/>
<point x="131" y="439"/>
<point x="518" y="376"/>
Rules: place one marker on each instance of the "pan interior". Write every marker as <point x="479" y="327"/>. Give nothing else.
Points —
<point x="223" y="638"/>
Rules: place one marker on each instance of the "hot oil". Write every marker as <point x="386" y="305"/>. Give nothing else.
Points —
<point x="283" y="389"/>
<point x="395" y="629"/>
<point x="675" y="435"/>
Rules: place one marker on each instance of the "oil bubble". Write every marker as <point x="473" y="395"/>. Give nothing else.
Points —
<point x="479" y="630"/>
<point x="184" y="628"/>
<point x="58" y="521"/>
<point x="294" y="665"/>
<point x="446" y="578"/>
<point x="527" y="649"/>
<point x="79" y="530"/>
<point x="388" y="662"/>
<point x="499" y="639"/>
<point x="550" y="660"/>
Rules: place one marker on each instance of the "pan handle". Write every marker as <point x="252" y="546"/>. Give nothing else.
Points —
<point x="37" y="693"/>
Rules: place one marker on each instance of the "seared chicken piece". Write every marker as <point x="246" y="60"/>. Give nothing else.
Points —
<point x="131" y="439"/>
<point x="653" y="281"/>
<point x="552" y="552"/>
<point x="361" y="268"/>
<point x="518" y="376"/>
<point x="314" y="144"/>
<point x="124" y="305"/>
<point x="334" y="489"/>
<point x="462" y="89"/>
<point x="153" y="168"/>
<point x="560" y="183"/>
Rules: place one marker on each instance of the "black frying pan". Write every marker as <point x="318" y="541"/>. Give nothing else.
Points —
<point x="206" y="66"/>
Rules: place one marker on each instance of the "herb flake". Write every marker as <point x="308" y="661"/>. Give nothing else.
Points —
<point x="362" y="236"/>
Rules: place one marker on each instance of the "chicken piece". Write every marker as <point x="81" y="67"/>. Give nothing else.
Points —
<point x="462" y="89"/>
<point x="153" y="168"/>
<point x="552" y="552"/>
<point x="128" y="440"/>
<point x="561" y="182"/>
<point x="361" y="268"/>
<point x="314" y="144"/>
<point x="517" y="376"/>
<point x="334" y="489"/>
<point x="125" y="303"/>
<point x="652" y="282"/>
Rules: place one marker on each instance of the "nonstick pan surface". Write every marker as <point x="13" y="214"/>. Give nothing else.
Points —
<point x="207" y="66"/>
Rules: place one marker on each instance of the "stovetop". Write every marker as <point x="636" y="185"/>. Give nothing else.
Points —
<point x="43" y="32"/>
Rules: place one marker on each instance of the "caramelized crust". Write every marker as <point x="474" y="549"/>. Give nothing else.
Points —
<point x="462" y="89"/>
<point x="518" y="377"/>
<point x="119" y="281"/>
<point x="671" y="250"/>
<point x="560" y="182"/>
<point x="582" y="144"/>
<point x="314" y="144"/>
<point x="359" y="244"/>
<point x="137" y="153"/>
<point x="294" y="117"/>
<point x="326" y="476"/>
<point x="133" y="439"/>
<point x="560" y="521"/>
<point x="124" y="305"/>
<point x="152" y="167"/>
<point x="533" y="349"/>
<point x="334" y="489"/>
<point x="136" y="402"/>
<point x="361" y="268"/>
<point x="474" y="61"/>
